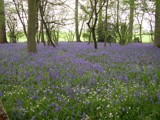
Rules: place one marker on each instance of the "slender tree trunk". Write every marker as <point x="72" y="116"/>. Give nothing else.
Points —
<point x="117" y="24"/>
<point x="140" y="21"/>
<point x="157" y="25"/>
<point x="131" y="20"/>
<point x="47" y="29"/>
<point x="106" y="24"/>
<point x="94" y="18"/>
<point x="94" y="38"/>
<point x="31" y="37"/>
<point x="41" y="9"/>
<point x="100" y="24"/>
<point x="82" y="27"/>
<point x="37" y="22"/>
<point x="94" y="24"/>
<point x="20" y="18"/>
<point x="76" y="22"/>
<point x="140" y="32"/>
<point x="3" y="38"/>
<point x="42" y="33"/>
<point x="151" y="31"/>
<point x="89" y="38"/>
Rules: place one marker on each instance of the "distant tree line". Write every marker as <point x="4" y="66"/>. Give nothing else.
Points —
<point x="105" y="21"/>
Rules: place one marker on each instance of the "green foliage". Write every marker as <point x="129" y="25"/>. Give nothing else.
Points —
<point x="123" y="32"/>
<point x="70" y="36"/>
<point x="85" y="36"/>
<point x="15" y="37"/>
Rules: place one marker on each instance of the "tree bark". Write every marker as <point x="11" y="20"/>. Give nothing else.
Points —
<point x="106" y="24"/>
<point x="42" y="33"/>
<point x="19" y="15"/>
<point x="45" y="25"/>
<point x="3" y="38"/>
<point x="118" y="22"/>
<point x="31" y="40"/>
<point x="131" y="20"/>
<point x="157" y="25"/>
<point x="3" y="114"/>
<point x="94" y="18"/>
<point x="76" y="22"/>
<point x="151" y="31"/>
<point x="100" y="24"/>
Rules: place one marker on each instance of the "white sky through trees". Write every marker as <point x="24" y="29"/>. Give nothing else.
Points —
<point x="70" y="6"/>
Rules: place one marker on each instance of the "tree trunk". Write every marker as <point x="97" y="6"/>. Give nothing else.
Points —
<point x="151" y="31"/>
<point x="3" y="114"/>
<point x="3" y="38"/>
<point x="94" y="37"/>
<point x="131" y="20"/>
<point x="42" y="33"/>
<point x="76" y="22"/>
<point x="45" y="25"/>
<point x="37" y="22"/>
<point x="157" y="25"/>
<point x="41" y="10"/>
<point x="118" y="23"/>
<point x="31" y="40"/>
<point x="89" y="38"/>
<point x="140" y="32"/>
<point x="106" y="24"/>
<point x="94" y="18"/>
<point x="20" y="18"/>
<point x="100" y="24"/>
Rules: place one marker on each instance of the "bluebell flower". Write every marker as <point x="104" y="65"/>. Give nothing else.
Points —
<point x="19" y="104"/>
<point x="1" y="94"/>
<point x="35" y="97"/>
<point x="53" y="104"/>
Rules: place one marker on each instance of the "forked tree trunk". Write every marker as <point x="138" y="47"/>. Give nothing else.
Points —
<point x="94" y="18"/>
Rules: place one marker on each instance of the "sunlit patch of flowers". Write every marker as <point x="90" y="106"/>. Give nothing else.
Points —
<point x="74" y="81"/>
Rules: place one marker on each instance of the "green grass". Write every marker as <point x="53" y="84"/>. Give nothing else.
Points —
<point x="146" y="39"/>
<point x="64" y="38"/>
